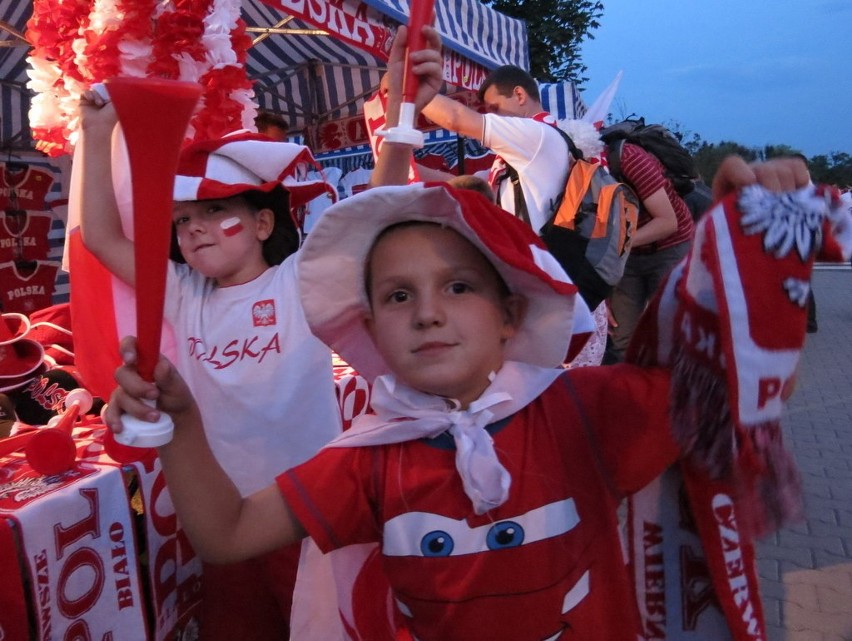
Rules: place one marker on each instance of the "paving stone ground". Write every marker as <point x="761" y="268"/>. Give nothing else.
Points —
<point x="806" y="569"/>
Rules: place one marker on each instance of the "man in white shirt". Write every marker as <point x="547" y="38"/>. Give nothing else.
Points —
<point x="519" y="131"/>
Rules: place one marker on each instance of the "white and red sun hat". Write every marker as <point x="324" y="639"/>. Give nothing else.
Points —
<point x="332" y="260"/>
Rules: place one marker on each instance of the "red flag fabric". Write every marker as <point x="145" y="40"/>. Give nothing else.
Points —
<point x="93" y="319"/>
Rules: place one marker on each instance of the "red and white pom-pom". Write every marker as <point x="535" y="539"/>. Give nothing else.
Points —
<point x="78" y="44"/>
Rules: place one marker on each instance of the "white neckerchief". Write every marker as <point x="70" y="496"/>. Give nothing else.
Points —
<point x="404" y="414"/>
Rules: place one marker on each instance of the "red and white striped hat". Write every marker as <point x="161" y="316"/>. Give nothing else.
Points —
<point x="245" y="161"/>
<point x="332" y="260"/>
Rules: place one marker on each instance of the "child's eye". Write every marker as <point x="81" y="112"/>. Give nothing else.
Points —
<point x="398" y="296"/>
<point x="460" y="288"/>
<point x="181" y="220"/>
<point x="214" y="208"/>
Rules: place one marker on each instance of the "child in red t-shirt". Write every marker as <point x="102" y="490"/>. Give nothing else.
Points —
<point x="488" y="475"/>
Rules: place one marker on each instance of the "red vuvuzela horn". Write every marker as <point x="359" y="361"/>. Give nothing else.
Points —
<point x="51" y="449"/>
<point x="154" y="115"/>
<point x="419" y="15"/>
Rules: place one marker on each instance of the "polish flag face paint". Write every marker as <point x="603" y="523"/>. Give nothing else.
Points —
<point x="231" y="226"/>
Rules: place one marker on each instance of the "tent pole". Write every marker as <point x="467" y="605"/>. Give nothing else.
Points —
<point x="460" y="154"/>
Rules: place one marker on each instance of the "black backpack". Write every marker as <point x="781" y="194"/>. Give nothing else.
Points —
<point x="591" y="226"/>
<point x="656" y="140"/>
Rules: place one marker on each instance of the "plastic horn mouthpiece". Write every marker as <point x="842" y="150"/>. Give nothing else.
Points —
<point x="51" y="450"/>
<point x="420" y="14"/>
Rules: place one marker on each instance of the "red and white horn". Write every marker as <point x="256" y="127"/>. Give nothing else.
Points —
<point x="154" y="115"/>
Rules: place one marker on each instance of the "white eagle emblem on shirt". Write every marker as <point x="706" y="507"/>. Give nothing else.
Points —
<point x="263" y="313"/>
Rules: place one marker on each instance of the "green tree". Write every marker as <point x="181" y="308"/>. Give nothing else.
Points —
<point x="833" y="169"/>
<point x="778" y="151"/>
<point x="555" y="31"/>
<point x="690" y="140"/>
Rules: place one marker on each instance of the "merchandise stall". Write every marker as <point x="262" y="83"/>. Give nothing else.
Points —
<point x="95" y="551"/>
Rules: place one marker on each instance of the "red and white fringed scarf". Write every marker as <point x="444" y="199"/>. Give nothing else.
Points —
<point x="730" y="323"/>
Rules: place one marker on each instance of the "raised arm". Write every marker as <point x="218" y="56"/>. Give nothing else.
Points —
<point x="222" y="526"/>
<point x="450" y="114"/>
<point x="100" y="221"/>
<point x="393" y="161"/>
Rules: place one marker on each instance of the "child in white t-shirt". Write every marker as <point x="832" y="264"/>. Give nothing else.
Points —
<point x="242" y="343"/>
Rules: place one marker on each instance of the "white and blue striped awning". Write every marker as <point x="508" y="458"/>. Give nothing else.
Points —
<point x="562" y="99"/>
<point x="472" y="30"/>
<point x="308" y="77"/>
<point x="311" y="78"/>
<point x="14" y="97"/>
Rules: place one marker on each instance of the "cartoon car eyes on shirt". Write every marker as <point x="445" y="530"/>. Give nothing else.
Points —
<point x="432" y="535"/>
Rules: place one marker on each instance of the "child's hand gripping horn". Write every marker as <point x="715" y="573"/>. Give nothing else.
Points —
<point x="420" y="14"/>
<point x="154" y="115"/>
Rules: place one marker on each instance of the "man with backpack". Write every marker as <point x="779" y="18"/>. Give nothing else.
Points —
<point x="520" y="132"/>
<point x="662" y="239"/>
<point x="529" y="176"/>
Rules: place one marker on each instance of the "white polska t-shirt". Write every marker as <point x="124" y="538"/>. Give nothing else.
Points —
<point x="263" y="382"/>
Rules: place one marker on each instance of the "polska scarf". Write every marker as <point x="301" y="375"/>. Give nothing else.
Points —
<point x="730" y="323"/>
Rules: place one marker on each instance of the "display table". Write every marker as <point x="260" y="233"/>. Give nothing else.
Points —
<point x="97" y="552"/>
<point x="93" y="553"/>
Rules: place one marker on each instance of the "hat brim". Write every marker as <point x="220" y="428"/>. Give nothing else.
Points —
<point x="332" y="261"/>
<point x="25" y="360"/>
<point x="189" y="188"/>
<point x="243" y="161"/>
<point x="10" y="384"/>
<point x="17" y="324"/>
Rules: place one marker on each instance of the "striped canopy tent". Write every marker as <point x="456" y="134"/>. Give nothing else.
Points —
<point x="313" y="62"/>
<point x="315" y="75"/>
<point x="14" y="98"/>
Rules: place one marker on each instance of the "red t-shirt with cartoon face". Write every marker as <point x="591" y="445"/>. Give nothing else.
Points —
<point x="548" y="563"/>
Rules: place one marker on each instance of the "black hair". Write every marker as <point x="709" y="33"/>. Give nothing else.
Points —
<point x="284" y="239"/>
<point x="505" y="79"/>
<point x="267" y="119"/>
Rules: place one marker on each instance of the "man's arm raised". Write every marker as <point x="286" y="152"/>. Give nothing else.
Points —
<point x="454" y="116"/>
